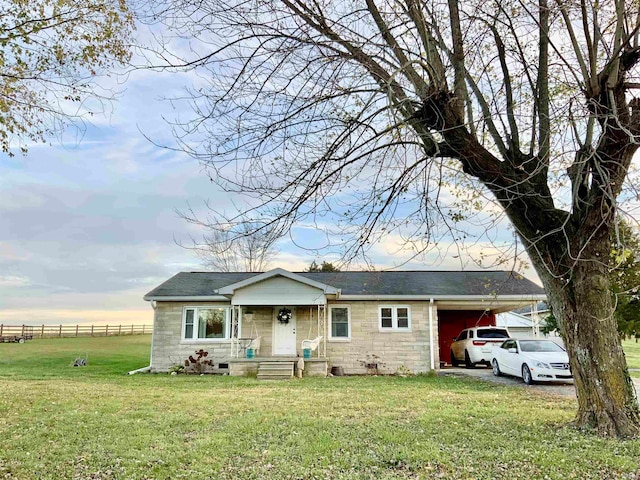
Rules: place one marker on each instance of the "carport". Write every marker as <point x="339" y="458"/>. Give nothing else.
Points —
<point x="455" y="316"/>
<point x="452" y="322"/>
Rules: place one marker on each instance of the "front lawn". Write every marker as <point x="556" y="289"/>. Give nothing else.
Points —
<point x="57" y="421"/>
<point x="48" y="358"/>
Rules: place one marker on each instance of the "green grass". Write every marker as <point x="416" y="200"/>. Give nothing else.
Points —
<point x="57" y="421"/>
<point x="54" y="357"/>
<point x="632" y="352"/>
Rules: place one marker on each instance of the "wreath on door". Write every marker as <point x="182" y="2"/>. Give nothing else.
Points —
<point x="284" y="316"/>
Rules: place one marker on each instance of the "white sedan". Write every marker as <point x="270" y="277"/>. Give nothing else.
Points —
<point x="532" y="360"/>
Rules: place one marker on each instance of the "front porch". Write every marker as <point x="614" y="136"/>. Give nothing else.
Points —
<point x="268" y="341"/>
<point x="278" y="331"/>
<point x="278" y="314"/>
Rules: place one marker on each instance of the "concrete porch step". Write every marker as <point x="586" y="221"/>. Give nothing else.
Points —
<point x="275" y="370"/>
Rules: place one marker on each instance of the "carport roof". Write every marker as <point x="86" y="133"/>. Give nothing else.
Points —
<point x="436" y="284"/>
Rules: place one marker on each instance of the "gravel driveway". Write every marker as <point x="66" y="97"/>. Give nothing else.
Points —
<point x="486" y="374"/>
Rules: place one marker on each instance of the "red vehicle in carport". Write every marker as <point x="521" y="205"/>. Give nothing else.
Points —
<point x="475" y="345"/>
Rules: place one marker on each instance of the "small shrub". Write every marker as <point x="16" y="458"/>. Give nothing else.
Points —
<point x="404" y="371"/>
<point x="198" y="364"/>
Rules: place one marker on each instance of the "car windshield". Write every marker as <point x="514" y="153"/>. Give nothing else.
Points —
<point x="539" y="346"/>
<point x="493" y="333"/>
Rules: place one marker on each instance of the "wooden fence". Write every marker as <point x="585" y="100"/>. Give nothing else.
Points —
<point x="50" y="331"/>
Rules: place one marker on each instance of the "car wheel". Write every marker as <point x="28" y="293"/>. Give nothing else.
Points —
<point x="526" y="375"/>
<point x="496" y="368"/>
<point x="21" y="340"/>
<point x="454" y="360"/>
<point x="467" y="360"/>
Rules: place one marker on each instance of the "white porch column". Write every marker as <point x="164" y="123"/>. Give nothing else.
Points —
<point x="235" y="331"/>
<point x="432" y="353"/>
<point x="325" y="333"/>
<point x="321" y="331"/>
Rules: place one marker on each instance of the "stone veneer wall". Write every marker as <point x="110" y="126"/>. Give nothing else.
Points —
<point x="306" y="327"/>
<point x="168" y="347"/>
<point x="263" y="324"/>
<point x="392" y="351"/>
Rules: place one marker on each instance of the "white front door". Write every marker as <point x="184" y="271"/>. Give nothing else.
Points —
<point x="284" y="335"/>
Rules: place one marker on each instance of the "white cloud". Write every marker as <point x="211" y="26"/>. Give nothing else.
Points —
<point x="7" y="281"/>
<point x="88" y="228"/>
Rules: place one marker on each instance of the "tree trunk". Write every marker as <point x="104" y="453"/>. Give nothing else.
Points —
<point x="581" y="302"/>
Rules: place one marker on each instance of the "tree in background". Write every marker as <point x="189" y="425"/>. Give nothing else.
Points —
<point x="325" y="267"/>
<point x="52" y="51"/>
<point x="625" y="281"/>
<point x="625" y="284"/>
<point x="550" y="325"/>
<point x="244" y="250"/>
<point x="403" y="117"/>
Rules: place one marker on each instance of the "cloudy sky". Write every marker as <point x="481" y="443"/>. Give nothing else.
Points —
<point x="89" y="222"/>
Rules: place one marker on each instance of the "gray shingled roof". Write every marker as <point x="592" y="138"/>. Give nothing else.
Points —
<point x="432" y="283"/>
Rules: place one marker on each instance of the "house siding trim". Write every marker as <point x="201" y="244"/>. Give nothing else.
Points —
<point x="210" y="298"/>
<point x="466" y="299"/>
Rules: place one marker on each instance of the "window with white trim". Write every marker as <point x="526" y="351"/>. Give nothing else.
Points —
<point x="339" y="322"/>
<point x="206" y="323"/>
<point x="394" y="317"/>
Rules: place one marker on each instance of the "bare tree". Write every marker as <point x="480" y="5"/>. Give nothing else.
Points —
<point x="379" y="112"/>
<point x="52" y="51"/>
<point x="246" y="248"/>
